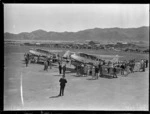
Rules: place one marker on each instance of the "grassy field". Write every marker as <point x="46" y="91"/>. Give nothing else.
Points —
<point x="40" y="88"/>
<point x="126" y="55"/>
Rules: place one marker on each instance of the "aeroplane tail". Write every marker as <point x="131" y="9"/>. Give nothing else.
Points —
<point x="115" y="59"/>
<point x="67" y="54"/>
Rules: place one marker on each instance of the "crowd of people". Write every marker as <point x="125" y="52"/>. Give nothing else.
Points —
<point x="47" y="63"/>
<point x="112" y="69"/>
<point x="95" y="71"/>
<point x="99" y="69"/>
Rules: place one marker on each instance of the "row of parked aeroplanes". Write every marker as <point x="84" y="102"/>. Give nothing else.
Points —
<point x="40" y="55"/>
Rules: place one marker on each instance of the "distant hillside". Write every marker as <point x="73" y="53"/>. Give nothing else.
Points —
<point x="97" y="34"/>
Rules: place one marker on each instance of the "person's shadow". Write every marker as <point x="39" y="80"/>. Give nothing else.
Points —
<point x="55" y="96"/>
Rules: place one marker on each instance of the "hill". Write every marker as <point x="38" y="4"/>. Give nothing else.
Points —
<point x="95" y="34"/>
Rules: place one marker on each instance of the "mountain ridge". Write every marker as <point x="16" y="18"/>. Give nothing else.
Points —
<point x="97" y="34"/>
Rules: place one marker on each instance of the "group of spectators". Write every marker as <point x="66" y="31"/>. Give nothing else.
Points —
<point x="95" y="71"/>
<point x="108" y="68"/>
<point x="132" y="66"/>
<point x="61" y="68"/>
<point x="48" y="63"/>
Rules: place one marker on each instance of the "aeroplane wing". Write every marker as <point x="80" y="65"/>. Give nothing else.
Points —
<point x="34" y="52"/>
<point x="90" y="58"/>
<point x="55" y="51"/>
<point x="76" y="58"/>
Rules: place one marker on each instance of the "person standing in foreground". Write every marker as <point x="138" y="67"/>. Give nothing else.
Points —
<point x="63" y="82"/>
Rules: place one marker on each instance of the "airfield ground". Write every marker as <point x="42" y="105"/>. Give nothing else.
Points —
<point x="40" y="88"/>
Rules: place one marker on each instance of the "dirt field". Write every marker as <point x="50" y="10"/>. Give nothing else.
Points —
<point x="40" y="88"/>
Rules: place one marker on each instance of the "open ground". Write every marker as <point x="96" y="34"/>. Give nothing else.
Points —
<point x="40" y="88"/>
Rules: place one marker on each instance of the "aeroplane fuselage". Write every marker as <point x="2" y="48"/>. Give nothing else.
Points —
<point x="81" y="57"/>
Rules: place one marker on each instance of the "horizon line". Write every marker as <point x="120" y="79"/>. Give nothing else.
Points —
<point x="78" y="30"/>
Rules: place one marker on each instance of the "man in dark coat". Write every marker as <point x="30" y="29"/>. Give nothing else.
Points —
<point x="96" y="71"/>
<point x="60" y="68"/>
<point x="50" y="63"/>
<point x="122" y="69"/>
<point x="143" y="65"/>
<point x="114" y="72"/>
<point x="46" y="65"/>
<point x="132" y="67"/>
<point x="146" y="63"/>
<point x="28" y="56"/>
<point x="100" y="70"/>
<point x="64" y="70"/>
<point x="26" y="61"/>
<point x="63" y="82"/>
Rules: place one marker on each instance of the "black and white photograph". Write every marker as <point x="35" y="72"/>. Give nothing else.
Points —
<point x="76" y="57"/>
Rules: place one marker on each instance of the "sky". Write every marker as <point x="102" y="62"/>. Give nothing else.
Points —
<point x="73" y="17"/>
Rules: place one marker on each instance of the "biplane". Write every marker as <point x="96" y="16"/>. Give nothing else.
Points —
<point x="92" y="59"/>
<point x="40" y="55"/>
